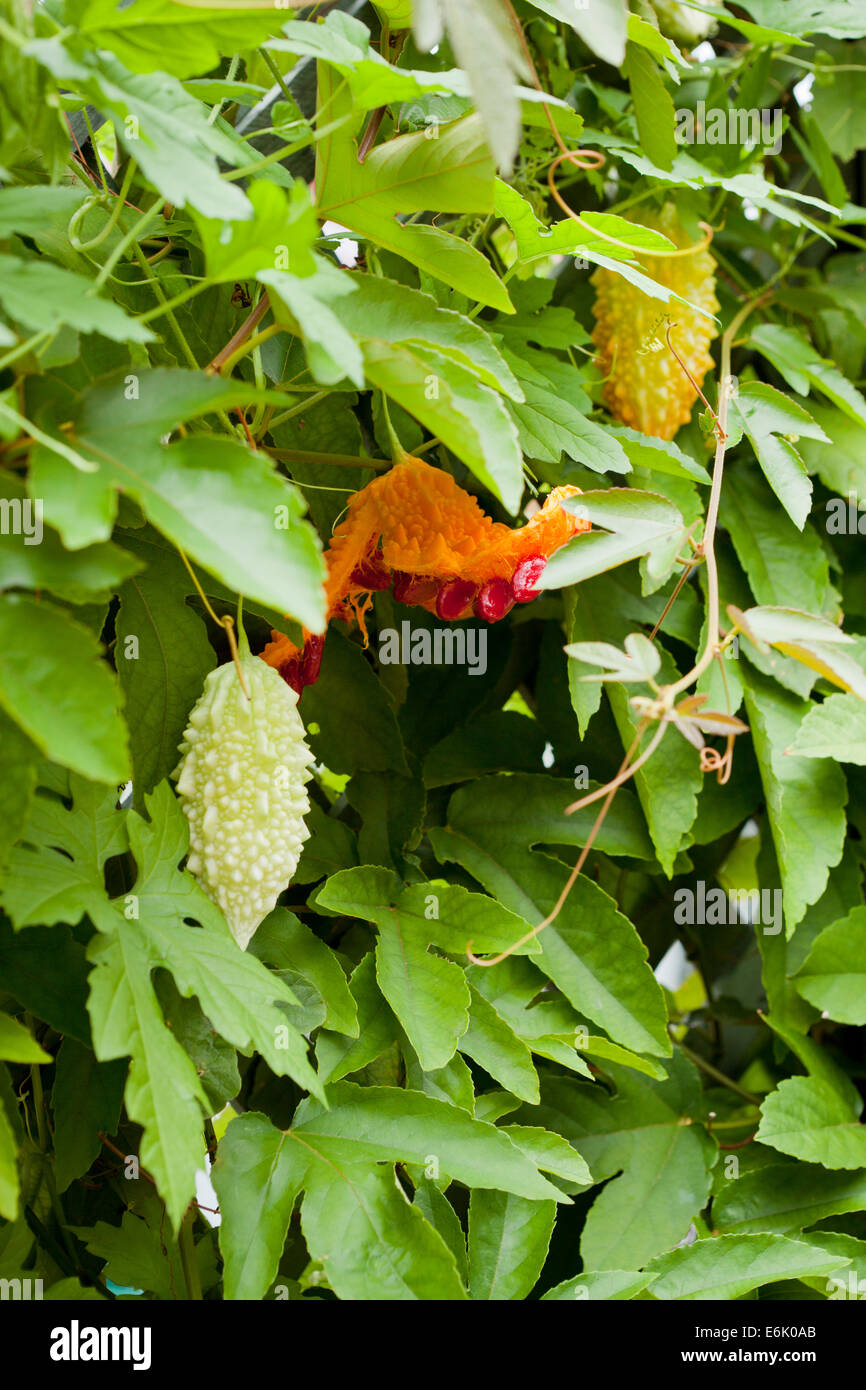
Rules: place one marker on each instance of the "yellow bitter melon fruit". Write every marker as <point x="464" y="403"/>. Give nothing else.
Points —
<point x="242" y="785"/>
<point x="645" y="386"/>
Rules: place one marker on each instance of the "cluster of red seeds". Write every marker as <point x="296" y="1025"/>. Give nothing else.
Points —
<point x="490" y="601"/>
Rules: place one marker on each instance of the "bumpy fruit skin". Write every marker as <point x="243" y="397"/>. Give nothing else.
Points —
<point x="645" y="386"/>
<point x="242" y="784"/>
<point x="684" y="25"/>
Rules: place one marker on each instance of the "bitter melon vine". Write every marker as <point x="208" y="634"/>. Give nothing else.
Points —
<point x="484" y="917"/>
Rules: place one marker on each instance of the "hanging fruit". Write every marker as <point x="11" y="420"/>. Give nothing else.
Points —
<point x="241" y="783"/>
<point x="415" y="527"/>
<point x="683" y="24"/>
<point x="646" y="387"/>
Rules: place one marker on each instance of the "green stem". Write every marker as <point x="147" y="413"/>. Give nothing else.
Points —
<point x="186" y="1245"/>
<point x="23" y="348"/>
<point x="276" y="75"/>
<point x="130" y="239"/>
<point x="167" y="310"/>
<point x="299" y="409"/>
<point x="717" y="1075"/>
<point x="251" y="345"/>
<point x="118" y="205"/>
<point x="230" y="77"/>
<point x="181" y="298"/>
<point x="329" y="460"/>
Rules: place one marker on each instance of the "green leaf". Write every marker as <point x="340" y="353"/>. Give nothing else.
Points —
<point x="768" y="419"/>
<point x="87" y="1099"/>
<point x="549" y="421"/>
<point x="729" y="1266"/>
<point x="389" y="312"/>
<point x="10" y="1185"/>
<point x="222" y="503"/>
<point x="805" y="799"/>
<point x="59" y="875"/>
<point x="785" y="568"/>
<point x="640" y="1134"/>
<point x="833" y="976"/>
<point x="447" y="398"/>
<point x="33" y="557"/>
<point x="290" y="947"/>
<point x="508" y="1243"/>
<point x="373" y="1243"/>
<point x="176" y="38"/>
<point x="496" y="820"/>
<point x="18" y="761"/>
<point x="805" y="1117"/>
<point x="332" y="352"/>
<point x="46" y="969"/>
<point x="54" y="684"/>
<point x="834" y="729"/>
<point x="552" y="1152"/>
<point x="802" y="367"/>
<point x="257" y="1175"/>
<point x="653" y="107"/>
<point x="495" y="1046"/>
<point x="603" y="29"/>
<point x="44" y="296"/>
<point x="338" y="1056"/>
<point x="157" y="124"/>
<point x="17" y="1043"/>
<point x="784" y="1197"/>
<point x="412" y="173"/>
<point x="370" y="740"/>
<point x="381" y="1123"/>
<point x="454" y="172"/>
<point x="162" y="655"/>
<point x="136" y="1256"/>
<point x="606" y="1286"/>
<point x="501" y="742"/>
<point x="658" y="455"/>
<point x="638" y="523"/>
<point x="31" y="210"/>
<point x="281" y="234"/>
<point x="429" y="995"/>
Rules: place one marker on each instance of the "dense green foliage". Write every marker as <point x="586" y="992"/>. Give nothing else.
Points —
<point x="189" y="373"/>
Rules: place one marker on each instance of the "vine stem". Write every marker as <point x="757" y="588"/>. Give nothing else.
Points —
<point x="186" y="1246"/>
<point x="610" y="791"/>
<point x="250" y="323"/>
<point x="227" y="621"/>
<point x="704" y="1065"/>
<point x="707" y="546"/>
<point x="331" y="460"/>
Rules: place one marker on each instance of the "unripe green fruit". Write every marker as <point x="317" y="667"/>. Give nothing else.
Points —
<point x="242" y="784"/>
<point x="684" y="25"/>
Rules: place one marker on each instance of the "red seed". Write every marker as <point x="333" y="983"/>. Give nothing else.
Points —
<point x="291" y="674"/>
<point x="413" y="588"/>
<point x="454" y="597"/>
<point x="494" y="600"/>
<point x="311" y="660"/>
<point x="371" y="574"/>
<point x="526" y="577"/>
